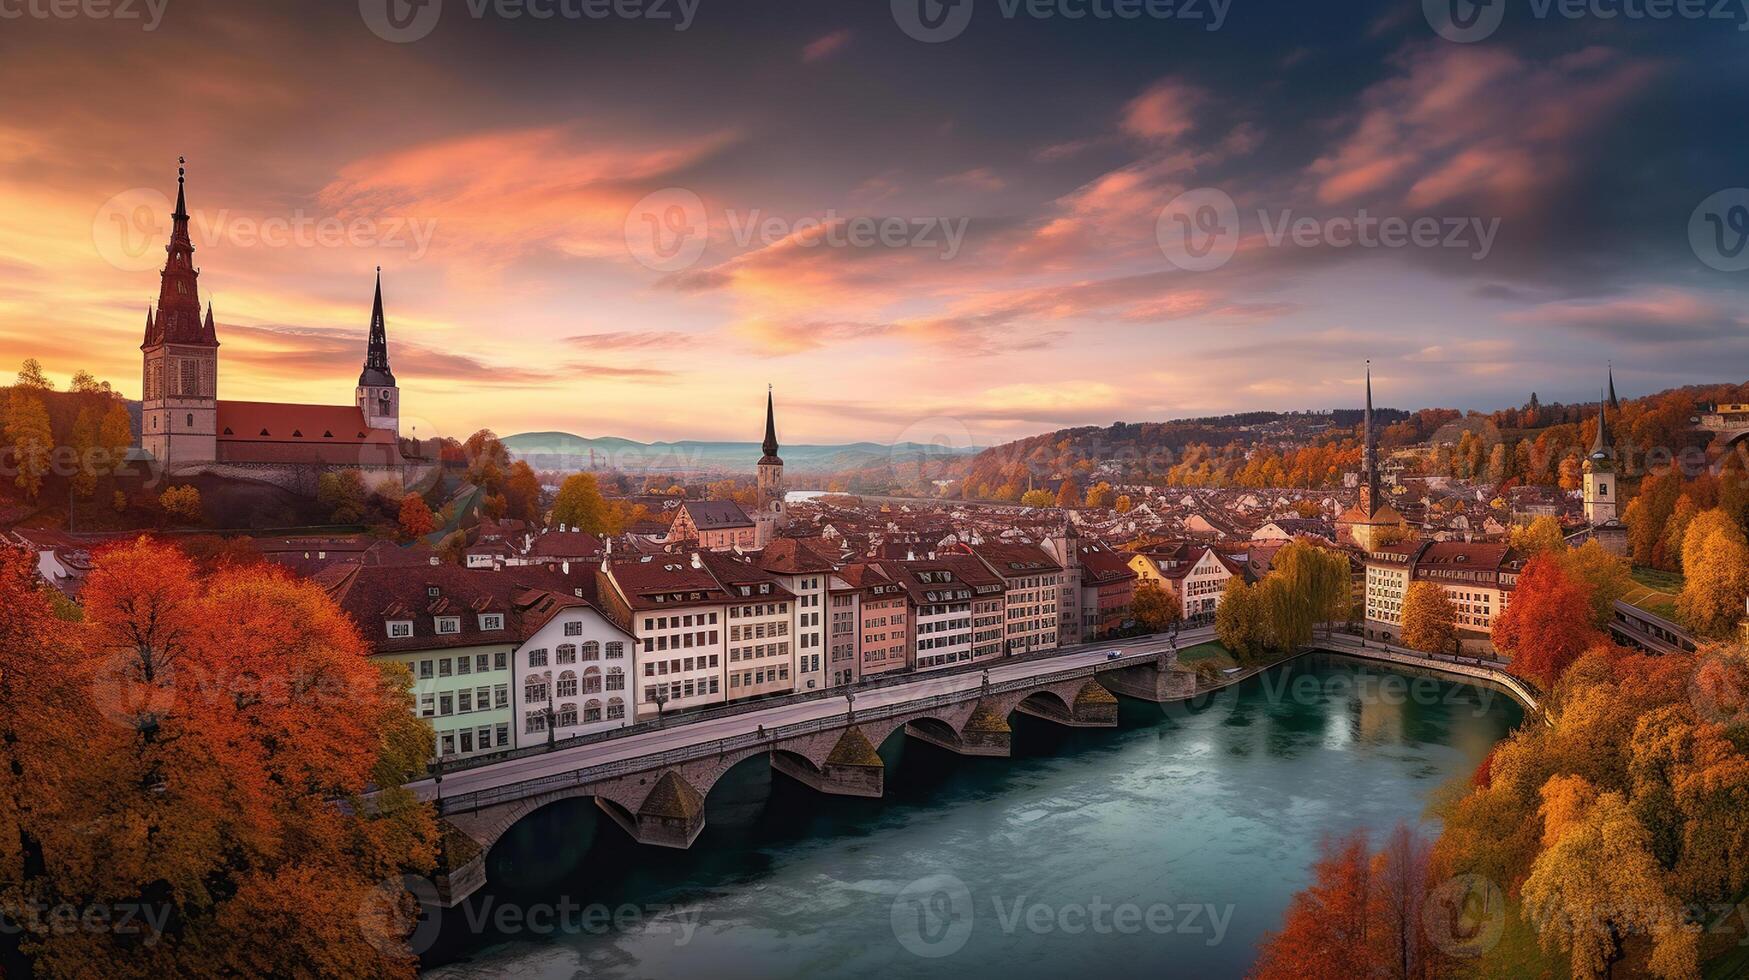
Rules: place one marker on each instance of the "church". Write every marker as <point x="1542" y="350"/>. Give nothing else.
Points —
<point x="1372" y="522"/>
<point x="186" y="427"/>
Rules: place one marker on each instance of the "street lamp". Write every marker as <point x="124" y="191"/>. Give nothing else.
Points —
<point x="850" y="705"/>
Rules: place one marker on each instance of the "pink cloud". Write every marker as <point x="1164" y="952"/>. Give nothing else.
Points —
<point x="1164" y="112"/>
<point x="825" y="46"/>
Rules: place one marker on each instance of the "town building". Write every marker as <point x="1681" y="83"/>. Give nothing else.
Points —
<point x="807" y="576"/>
<point x="1195" y="582"/>
<point x="456" y="631"/>
<point x="1032" y="584"/>
<point x="760" y="655"/>
<point x="884" y="620"/>
<point x="572" y="669"/>
<point x="1477" y="577"/>
<point x="1601" y="491"/>
<point x="186" y="427"/>
<point x="941" y="604"/>
<point x="676" y="610"/>
<point x="715" y="525"/>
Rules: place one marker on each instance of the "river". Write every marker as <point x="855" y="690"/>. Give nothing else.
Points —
<point x="1166" y="847"/>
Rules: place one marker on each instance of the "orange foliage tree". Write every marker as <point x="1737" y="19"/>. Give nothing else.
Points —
<point x="197" y="752"/>
<point x="416" y="518"/>
<point x="1548" y="624"/>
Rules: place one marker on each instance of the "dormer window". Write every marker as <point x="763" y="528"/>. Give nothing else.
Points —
<point x="264" y="432"/>
<point x="449" y="625"/>
<point x="400" y="629"/>
<point x="432" y="591"/>
<point x="492" y="621"/>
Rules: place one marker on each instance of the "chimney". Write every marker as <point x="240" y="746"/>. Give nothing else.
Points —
<point x="697" y="562"/>
<point x="566" y="566"/>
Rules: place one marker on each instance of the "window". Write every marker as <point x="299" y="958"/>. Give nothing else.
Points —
<point x="616" y="679"/>
<point x="565" y="654"/>
<point x="567" y="715"/>
<point x="573" y="629"/>
<point x="537" y="658"/>
<point x="592" y="681"/>
<point x="501" y="696"/>
<point x="426" y="669"/>
<point x="591" y="650"/>
<point x="449" y="624"/>
<point x="400" y="630"/>
<point x="567" y="685"/>
<point x="616" y="650"/>
<point x="492" y="621"/>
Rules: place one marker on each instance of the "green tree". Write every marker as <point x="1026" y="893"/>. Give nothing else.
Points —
<point x="342" y="495"/>
<point x="1241" y="620"/>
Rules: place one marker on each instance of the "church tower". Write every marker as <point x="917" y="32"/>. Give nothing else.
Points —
<point x="772" y="517"/>
<point x="378" y="397"/>
<point x="180" y="387"/>
<point x="1369" y="455"/>
<point x="1601" y="493"/>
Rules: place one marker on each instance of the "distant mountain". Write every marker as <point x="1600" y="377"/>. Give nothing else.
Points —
<point x="564" y="451"/>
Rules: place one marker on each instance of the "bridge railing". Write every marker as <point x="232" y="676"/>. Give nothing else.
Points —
<point x="583" y="775"/>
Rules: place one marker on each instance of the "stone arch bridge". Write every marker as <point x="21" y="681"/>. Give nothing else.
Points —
<point x="658" y="797"/>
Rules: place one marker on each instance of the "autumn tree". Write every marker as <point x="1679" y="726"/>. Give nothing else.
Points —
<point x="116" y="432"/>
<point x="1068" y="494"/>
<point x="32" y="378"/>
<point x="1155" y="608"/>
<point x="1429" y="618"/>
<point x="580" y="505"/>
<point x="181" y="504"/>
<point x="1241" y="620"/>
<point x="210" y="760"/>
<point x="84" y="443"/>
<point x="1604" y="575"/>
<point x="416" y="518"/>
<point x="1100" y="495"/>
<point x="1715" y="561"/>
<point x="1548" y="624"/>
<point x="522" y="493"/>
<point x="1124" y="504"/>
<point x="1597" y="882"/>
<point x="342" y="495"/>
<point x="488" y="460"/>
<point x="1038" y="498"/>
<point x="1541" y="536"/>
<point x="29" y="436"/>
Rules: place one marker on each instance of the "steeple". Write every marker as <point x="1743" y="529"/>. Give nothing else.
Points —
<point x="376" y="358"/>
<point x="770" y="445"/>
<point x="1614" y="402"/>
<point x="1369" y="454"/>
<point x="178" y="319"/>
<point x="1600" y="447"/>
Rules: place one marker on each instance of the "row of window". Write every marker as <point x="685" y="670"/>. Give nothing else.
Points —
<point x="463" y="665"/>
<point x="567" y="653"/>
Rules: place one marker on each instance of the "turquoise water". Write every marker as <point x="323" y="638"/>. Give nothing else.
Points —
<point x="1165" y="847"/>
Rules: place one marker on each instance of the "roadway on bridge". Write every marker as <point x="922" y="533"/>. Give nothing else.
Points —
<point x="680" y="733"/>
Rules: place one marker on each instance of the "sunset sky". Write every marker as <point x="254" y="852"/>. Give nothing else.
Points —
<point x="524" y="147"/>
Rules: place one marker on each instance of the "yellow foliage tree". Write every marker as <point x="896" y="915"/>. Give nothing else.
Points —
<point x="1715" y="562"/>
<point x="1429" y="618"/>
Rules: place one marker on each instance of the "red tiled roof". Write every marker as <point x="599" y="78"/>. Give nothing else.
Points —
<point x="268" y="432"/>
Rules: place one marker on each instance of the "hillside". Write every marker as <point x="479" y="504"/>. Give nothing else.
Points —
<point x="564" y="451"/>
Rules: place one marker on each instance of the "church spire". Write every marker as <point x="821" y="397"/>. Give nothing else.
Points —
<point x="1600" y="446"/>
<point x="376" y="357"/>
<point x="1614" y="402"/>
<point x="1369" y="454"/>
<point x="770" y="445"/>
<point x="178" y="316"/>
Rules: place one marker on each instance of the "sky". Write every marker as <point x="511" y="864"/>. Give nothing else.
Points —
<point x="963" y="223"/>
